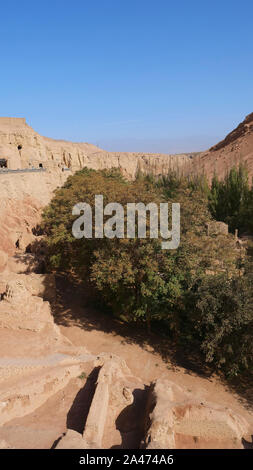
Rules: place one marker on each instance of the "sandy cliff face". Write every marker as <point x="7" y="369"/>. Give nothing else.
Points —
<point x="23" y="195"/>
<point x="22" y="198"/>
<point x="22" y="147"/>
<point x="236" y="148"/>
<point x="25" y="148"/>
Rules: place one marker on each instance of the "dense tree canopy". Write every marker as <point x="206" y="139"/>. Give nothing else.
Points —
<point x="231" y="200"/>
<point x="196" y="292"/>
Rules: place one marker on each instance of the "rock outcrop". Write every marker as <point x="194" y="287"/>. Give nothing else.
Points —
<point x="178" y="421"/>
<point x="23" y="195"/>
<point x="36" y="361"/>
<point x="170" y="417"/>
<point x="235" y="149"/>
<point x="241" y="130"/>
<point x="22" y="198"/>
<point x="22" y="147"/>
<point x="216" y="228"/>
<point x="115" y="409"/>
<point x="113" y="396"/>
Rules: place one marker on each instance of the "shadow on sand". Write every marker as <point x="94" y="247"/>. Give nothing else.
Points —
<point x="73" y="307"/>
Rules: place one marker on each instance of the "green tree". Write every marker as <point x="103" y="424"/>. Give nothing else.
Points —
<point x="229" y="199"/>
<point x="195" y="292"/>
<point x="223" y="321"/>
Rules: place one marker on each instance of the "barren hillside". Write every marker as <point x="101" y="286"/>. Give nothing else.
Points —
<point x="236" y="148"/>
<point x="24" y="194"/>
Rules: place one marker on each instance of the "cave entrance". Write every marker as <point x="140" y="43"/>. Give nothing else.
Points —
<point x="40" y="165"/>
<point x="3" y="163"/>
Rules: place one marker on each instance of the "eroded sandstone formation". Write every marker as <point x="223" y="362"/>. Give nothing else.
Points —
<point x="24" y="148"/>
<point x="112" y="417"/>
<point x="235" y="149"/>
<point x="176" y="420"/>
<point x="37" y="363"/>
<point x="115" y="409"/>
<point x="23" y="195"/>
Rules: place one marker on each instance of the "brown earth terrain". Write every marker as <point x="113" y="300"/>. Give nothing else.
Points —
<point x="45" y="165"/>
<point x="23" y="148"/>
<point x="235" y="149"/>
<point x="70" y="377"/>
<point x="24" y="194"/>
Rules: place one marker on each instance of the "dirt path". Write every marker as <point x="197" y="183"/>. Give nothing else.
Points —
<point x="99" y="333"/>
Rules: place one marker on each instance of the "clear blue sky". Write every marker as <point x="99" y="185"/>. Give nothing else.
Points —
<point x="160" y="75"/>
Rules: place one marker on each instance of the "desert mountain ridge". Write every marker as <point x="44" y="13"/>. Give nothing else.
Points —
<point x="241" y="130"/>
<point x="235" y="149"/>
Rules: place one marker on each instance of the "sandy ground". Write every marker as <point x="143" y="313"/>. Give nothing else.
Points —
<point x="99" y="333"/>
